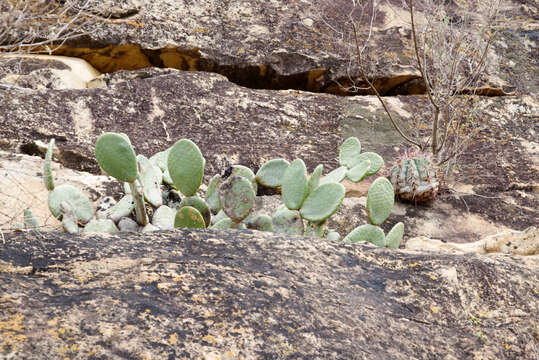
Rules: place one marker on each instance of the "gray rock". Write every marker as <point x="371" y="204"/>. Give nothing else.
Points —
<point x="229" y="294"/>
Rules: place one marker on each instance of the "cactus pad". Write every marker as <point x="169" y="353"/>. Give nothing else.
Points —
<point x="151" y="178"/>
<point x="102" y="225"/>
<point x="380" y="200"/>
<point x="316" y="229"/>
<point x="314" y="180"/>
<point x="287" y="222"/>
<point x="323" y="202"/>
<point x="334" y="176"/>
<point x="212" y="193"/>
<point x="30" y="222"/>
<point x="186" y="166"/>
<point x="333" y="236"/>
<point x="358" y="172"/>
<point x="394" y="236"/>
<point x="200" y="205"/>
<point x="189" y="217"/>
<point x="237" y="197"/>
<point x="47" y="171"/>
<point x="376" y="162"/>
<point x="240" y="170"/>
<point x="163" y="218"/>
<point x="75" y="198"/>
<point x="261" y="223"/>
<point x="367" y="232"/>
<point x="294" y="185"/>
<point x="116" y="157"/>
<point x="349" y="152"/>
<point x="271" y="173"/>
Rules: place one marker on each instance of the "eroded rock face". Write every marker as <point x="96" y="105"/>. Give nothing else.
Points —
<point x="227" y="294"/>
<point x="287" y="44"/>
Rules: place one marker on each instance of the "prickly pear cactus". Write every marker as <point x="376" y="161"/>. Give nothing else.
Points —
<point x="75" y="198"/>
<point x="380" y="200"/>
<point x="186" y="166"/>
<point x="189" y="217"/>
<point x="414" y="178"/>
<point x="237" y="197"/>
<point x="294" y="185"/>
<point x="323" y="202"/>
<point x="116" y="156"/>
<point x="271" y="173"/>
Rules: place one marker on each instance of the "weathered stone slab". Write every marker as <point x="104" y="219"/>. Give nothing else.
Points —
<point x="288" y="44"/>
<point x="229" y="295"/>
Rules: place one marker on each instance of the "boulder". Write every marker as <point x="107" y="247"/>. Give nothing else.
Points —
<point x="231" y="294"/>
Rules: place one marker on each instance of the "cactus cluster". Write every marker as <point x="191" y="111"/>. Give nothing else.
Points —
<point x="161" y="193"/>
<point x="414" y="177"/>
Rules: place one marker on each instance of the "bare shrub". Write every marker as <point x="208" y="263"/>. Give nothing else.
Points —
<point x="41" y="25"/>
<point x="448" y="48"/>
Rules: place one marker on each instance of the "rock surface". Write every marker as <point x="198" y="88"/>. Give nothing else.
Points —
<point x="247" y="295"/>
<point x="508" y="242"/>
<point x="288" y="44"/>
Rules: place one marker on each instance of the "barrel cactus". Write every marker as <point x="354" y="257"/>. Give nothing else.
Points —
<point x="414" y="177"/>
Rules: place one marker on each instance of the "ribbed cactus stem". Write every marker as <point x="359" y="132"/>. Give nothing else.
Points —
<point x="140" y="209"/>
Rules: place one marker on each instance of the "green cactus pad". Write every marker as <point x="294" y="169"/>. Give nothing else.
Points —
<point x="47" y="171"/>
<point x="160" y="159"/>
<point x="367" y="232"/>
<point x="240" y="170"/>
<point x="358" y="172"/>
<point x="116" y="157"/>
<point x="314" y="180"/>
<point x="200" y="205"/>
<point x="237" y="197"/>
<point x="394" y="236"/>
<point x="75" y="198"/>
<point x="333" y="236"/>
<point x="335" y="176"/>
<point x="287" y="222"/>
<point x="294" y="185"/>
<point x="261" y="223"/>
<point x="323" y="202"/>
<point x="220" y="216"/>
<point x="380" y="200"/>
<point x="189" y="217"/>
<point x="30" y="222"/>
<point x="121" y="209"/>
<point x="223" y="224"/>
<point x="212" y="193"/>
<point x="151" y="178"/>
<point x="69" y="220"/>
<point x="349" y="152"/>
<point x="186" y="166"/>
<point x="376" y="162"/>
<point x="271" y="173"/>
<point x="128" y="224"/>
<point x="101" y="225"/>
<point x="316" y="229"/>
<point x="163" y="218"/>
